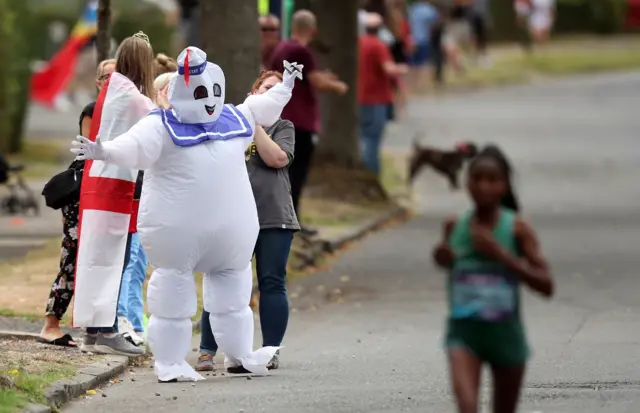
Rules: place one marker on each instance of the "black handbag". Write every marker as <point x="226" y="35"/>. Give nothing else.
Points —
<point x="64" y="188"/>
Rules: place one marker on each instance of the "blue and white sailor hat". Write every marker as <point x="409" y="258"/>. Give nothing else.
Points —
<point x="191" y="62"/>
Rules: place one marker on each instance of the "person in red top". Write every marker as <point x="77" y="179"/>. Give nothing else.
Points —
<point x="376" y="72"/>
<point x="302" y="110"/>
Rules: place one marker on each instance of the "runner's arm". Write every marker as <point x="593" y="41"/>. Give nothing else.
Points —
<point x="442" y="254"/>
<point x="535" y="270"/>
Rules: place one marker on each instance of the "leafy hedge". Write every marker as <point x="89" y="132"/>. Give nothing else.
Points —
<point x="24" y="37"/>
<point x="126" y="21"/>
<point x="573" y="16"/>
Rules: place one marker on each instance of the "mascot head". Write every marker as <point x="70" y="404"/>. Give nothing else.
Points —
<point x="197" y="92"/>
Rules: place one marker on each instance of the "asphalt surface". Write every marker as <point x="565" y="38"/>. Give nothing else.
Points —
<point x="366" y="335"/>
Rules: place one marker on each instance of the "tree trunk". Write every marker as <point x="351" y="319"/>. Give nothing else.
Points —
<point x="338" y="29"/>
<point x="6" y="25"/>
<point x="229" y="34"/>
<point x="337" y="168"/>
<point x="20" y="73"/>
<point x="103" y="38"/>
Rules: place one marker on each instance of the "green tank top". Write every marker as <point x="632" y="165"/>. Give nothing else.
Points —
<point x="480" y="288"/>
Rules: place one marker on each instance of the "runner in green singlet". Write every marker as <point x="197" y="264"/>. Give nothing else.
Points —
<point x="489" y="251"/>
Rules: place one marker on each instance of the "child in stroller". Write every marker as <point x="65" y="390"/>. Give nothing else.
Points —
<point x="21" y="198"/>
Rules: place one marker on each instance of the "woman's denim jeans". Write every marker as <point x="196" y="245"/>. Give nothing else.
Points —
<point x="373" y="119"/>
<point x="271" y="253"/>
<point x="130" y="303"/>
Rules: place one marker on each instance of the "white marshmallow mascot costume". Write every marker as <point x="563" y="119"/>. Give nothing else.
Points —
<point x="197" y="211"/>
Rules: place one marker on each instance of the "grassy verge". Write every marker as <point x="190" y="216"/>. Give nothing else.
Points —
<point x="27" y="370"/>
<point x="42" y="158"/>
<point x="556" y="59"/>
<point x="26" y="282"/>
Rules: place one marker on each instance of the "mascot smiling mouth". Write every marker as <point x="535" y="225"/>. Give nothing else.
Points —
<point x="210" y="109"/>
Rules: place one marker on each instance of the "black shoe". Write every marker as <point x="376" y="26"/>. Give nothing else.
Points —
<point x="168" y="381"/>
<point x="237" y="370"/>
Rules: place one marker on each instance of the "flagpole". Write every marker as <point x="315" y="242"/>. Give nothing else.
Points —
<point x="103" y="38"/>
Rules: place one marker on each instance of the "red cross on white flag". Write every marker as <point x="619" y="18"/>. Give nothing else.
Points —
<point x="106" y="200"/>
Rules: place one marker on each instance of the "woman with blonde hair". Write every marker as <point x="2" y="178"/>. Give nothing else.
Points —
<point x="134" y="65"/>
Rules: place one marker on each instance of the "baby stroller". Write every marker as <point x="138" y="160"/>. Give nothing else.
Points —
<point x="21" y="198"/>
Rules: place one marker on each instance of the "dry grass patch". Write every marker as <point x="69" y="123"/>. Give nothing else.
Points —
<point x="26" y="282"/>
<point x="27" y="369"/>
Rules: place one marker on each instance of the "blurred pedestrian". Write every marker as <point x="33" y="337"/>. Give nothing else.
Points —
<point x="422" y="16"/>
<point x="376" y="73"/>
<point x="268" y="159"/>
<point x="190" y="19"/>
<point x="302" y="109"/>
<point x="480" y="22"/>
<point x="458" y="36"/>
<point x="269" y="38"/>
<point x="541" y="19"/>
<point x="63" y="287"/>
<point x="401" y="48"/>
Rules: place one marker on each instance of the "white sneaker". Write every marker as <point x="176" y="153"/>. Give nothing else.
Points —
<point x="126" y="329"/>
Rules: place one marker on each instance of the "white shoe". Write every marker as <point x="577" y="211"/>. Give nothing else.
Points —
<point x="126" y="329"/>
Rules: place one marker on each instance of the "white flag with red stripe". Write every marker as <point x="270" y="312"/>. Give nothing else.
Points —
<point x="106" y="200"/>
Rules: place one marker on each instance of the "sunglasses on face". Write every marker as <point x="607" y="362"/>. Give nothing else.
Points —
<point x="269" y="29"/>
<point x="103" y="77"/>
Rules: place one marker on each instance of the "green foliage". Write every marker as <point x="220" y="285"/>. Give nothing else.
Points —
<point x="126" y="21"/>
<point x="572" y="16"/>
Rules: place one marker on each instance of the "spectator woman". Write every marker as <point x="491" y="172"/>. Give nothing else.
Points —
<point x="63" y="286"/>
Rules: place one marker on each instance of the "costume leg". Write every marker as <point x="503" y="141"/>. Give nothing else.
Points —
<point x="171" y="297"/>
<point x="226" y="298"/>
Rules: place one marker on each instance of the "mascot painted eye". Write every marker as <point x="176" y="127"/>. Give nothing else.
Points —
<point x="200" y="93"/>
<point x="217" y="90"/>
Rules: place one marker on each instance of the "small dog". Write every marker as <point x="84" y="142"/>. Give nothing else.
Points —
<point x="447" y="163"/>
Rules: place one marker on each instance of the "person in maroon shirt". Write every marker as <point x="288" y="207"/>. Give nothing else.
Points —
<point x="376" y="73"/>
<point x="302" y="109"/>
<point x="269" y="38"/>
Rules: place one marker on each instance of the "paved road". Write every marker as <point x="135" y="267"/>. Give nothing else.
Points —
<point x="370" y="342"/>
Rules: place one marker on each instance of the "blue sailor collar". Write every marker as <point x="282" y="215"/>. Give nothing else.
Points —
<point x="231" y="124"/>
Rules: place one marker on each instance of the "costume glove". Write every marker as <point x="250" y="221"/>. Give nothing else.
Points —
<point x="86" y="149"/>
<point x="291" y="72"/>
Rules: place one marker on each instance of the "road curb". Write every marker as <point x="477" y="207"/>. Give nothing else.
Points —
<point x="320" y="247"/>
<point x="87" y="378"/>
<point x="394" y="212"/>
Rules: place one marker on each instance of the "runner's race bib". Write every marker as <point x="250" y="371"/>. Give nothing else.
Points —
<point x="483" y="296"/>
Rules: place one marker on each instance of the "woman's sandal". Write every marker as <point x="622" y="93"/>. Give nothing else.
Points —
<point x="64" y="341"/>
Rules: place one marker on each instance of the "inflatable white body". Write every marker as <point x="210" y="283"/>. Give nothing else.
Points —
<point x="197" y="211"/>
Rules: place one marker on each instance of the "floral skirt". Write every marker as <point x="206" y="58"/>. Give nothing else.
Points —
<point x="63" y="286"/>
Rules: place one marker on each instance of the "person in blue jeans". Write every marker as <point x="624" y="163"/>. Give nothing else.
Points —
<point x="130" y="302"/>
<point x="376" y="72"/>
<point x="268" y="159"/>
